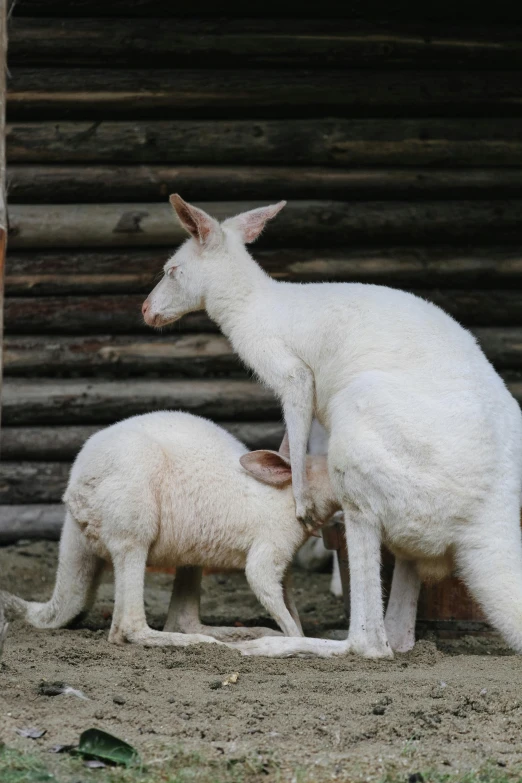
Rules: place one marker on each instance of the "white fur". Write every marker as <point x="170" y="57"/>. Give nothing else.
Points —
<point x="313" y="555"/>
<point x="425" y="449"/>
<point x="168" y="489"/>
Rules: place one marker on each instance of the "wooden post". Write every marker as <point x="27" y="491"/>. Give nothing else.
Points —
<point x="445" y="607"/>
<point x="3" y="204"/>
<point x="3" y="216"/>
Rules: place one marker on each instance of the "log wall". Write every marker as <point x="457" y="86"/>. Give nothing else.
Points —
<point x="397" y="142"/>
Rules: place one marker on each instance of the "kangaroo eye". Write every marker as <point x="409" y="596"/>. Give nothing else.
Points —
<point x="170" y="272"/>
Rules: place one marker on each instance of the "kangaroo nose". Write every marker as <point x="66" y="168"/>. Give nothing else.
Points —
<point x="145" y="307"/>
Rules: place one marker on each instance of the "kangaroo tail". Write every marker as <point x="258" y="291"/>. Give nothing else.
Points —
<point x="489" y="561"/>
<point x="77" y="580"/>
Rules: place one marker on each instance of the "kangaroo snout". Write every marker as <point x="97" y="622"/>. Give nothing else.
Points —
<point x="148" y="317"/>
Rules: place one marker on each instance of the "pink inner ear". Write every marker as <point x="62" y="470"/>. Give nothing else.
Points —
<point x="187" y="219"/>
<point x="253" y="228"/>
<point x="182" y="210"/>
<point x="255" y="222"/>
<point x="267" y="466"/>
<point x="196" y="222"/>
<point x="252" y="223"/>
<point x="205" y="227"/>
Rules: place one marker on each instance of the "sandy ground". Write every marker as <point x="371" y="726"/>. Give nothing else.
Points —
<point x="448" y="705"/>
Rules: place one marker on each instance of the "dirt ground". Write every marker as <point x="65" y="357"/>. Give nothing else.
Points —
<point x="449" y="706"/>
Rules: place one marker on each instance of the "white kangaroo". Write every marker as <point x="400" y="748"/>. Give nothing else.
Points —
<point x="172" y="489"/>
<point x="425" y="449"/>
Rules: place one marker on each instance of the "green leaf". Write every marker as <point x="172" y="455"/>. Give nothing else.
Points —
<point x="98" y="744"/>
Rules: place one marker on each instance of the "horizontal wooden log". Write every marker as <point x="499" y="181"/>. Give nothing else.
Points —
<point x="187" y="355"/>
<point x="32" y="482"/>
<point x="122" y="314"/>
<point x="48" y="444"/>
<point x="44" y="482"/>
<point x="83" y="272"/>
<point x="30" y="521"/>
<point x="98" y="93"/>
<point x="87" y="315"/>
<point x="176" y="356"/>
<point x="57" y="444"/>
<point x="312" y="222"/>
<point x="44" y="184"/>
<point x="328" y="142"/>
<point x="44" y="401"/>
<point x="503" y="347"/>
<point x="233" y="43"/>
<point x="480" y="307"/>
<point x="58" y="273"/>
<point x="444" y="10"/>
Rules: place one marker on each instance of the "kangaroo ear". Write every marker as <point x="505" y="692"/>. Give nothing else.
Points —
<point x="249" y="225"/>
<point x="270" y="467"/>
<point x="198" y="224"/>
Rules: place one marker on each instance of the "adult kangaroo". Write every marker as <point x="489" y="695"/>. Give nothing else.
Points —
<point x="425" y="441"/>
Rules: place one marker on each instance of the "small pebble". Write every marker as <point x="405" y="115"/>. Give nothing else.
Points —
<point x="119" y="700"/>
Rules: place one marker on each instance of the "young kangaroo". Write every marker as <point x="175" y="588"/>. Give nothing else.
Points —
<point x="425" y="441"/>
<point x="172" y="489"/>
